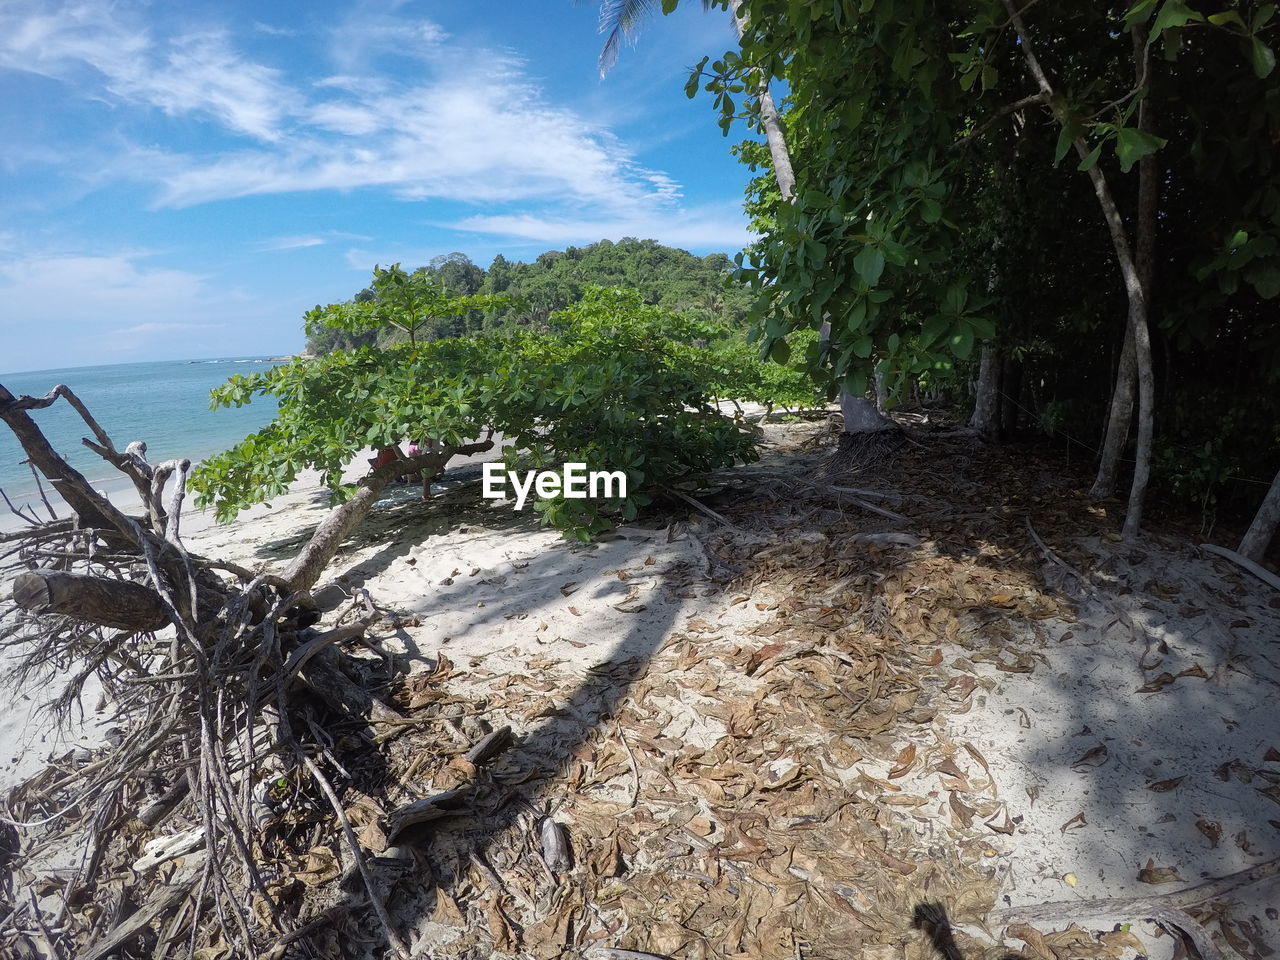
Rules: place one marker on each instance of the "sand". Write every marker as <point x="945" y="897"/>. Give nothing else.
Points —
<point x="1102" y="775"/>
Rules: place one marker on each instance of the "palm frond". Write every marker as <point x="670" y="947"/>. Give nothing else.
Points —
<point x="619" y="20"/>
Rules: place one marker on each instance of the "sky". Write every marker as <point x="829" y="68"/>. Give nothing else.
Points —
<point x="184" y="180"/>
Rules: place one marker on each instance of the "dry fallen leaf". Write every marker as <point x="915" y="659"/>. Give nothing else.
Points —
<point x="1164" y="786"/>
<point x="1153" y="874"/>
<point x="1095" y="757"/>
<point x="1069" y="879"/>
<point x="960" y="810"/>
<point x="1212" y="829"/>
<point x="906" y="757"/>
<point x="1078" y="821"/>
<point x="1033" y="938"/>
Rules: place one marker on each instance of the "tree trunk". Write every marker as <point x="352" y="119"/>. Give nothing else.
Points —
<point x="882" y="395"/>
<point x="1010" y="396"/>
<point x="861" y="416"/>
<point x="785" y="176"/>
<point x="1263" y="529"/>
<point x="772" y="123"/>
<point x="986" y="405"/>
<point x="1132" y="284"/>
<point x="1121" y="413"/>
<point x="309" y="564"/>
<point x="122" y="604"/>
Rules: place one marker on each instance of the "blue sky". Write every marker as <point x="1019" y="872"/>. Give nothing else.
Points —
<point x="184" y="180"/>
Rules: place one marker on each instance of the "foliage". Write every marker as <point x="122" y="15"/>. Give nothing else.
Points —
<point x="936" y="204"/>
<point x="665" y="276"/>
<point x="614" y="383"/>
<point x="413" y="303"/>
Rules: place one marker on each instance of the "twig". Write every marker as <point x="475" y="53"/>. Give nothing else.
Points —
<point x="53" y="514"/>
<point x="1004" y="111"/>
<point x="631" y="759"/>
<point x="712" y="514"/>
<point x="17" y="511"/>
<point x="357" y="854"/>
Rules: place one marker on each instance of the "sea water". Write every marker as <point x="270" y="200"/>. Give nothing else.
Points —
<point x="164" y="403"/>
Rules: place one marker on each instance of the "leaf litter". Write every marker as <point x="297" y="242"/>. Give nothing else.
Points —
<point x="779" y="783"/>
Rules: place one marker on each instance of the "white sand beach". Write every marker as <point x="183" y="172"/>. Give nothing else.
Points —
<point x="1082" y="743"/>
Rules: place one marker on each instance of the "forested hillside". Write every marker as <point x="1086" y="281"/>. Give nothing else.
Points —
<point x="663" y="276"/>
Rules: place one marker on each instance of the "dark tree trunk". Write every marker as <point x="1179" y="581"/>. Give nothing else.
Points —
<point x="986" y="403"/>
<point x="1010" y="396"/>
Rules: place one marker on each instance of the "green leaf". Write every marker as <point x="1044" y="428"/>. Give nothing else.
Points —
<point x="668" y="6"/>
<point x="862" y="347"/>
<point x="1065" y="140"/>
<point x="983" y="328"/>
<point x="930" y="211"/>
<point x="954" y="299"/>
<point x="1133" y="144"/>
<point x="962" y="343"/>
<point x="1263" y="57"/>
<point x="1087" y="163"/>
<point x="780" y="352"/>
<point x="1230" y="16"/>
<point x="869" y="263"/>
<point x="856" y="383"/>
<point x="1173" y="13"/>
<point x="933" y="328"/>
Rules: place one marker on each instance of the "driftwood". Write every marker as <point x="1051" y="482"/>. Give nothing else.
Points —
<point x="1244" y="563"/>
<point x="122" y="604"/>
<point x="1168" y="910"/>
<point x="231" y="698"/>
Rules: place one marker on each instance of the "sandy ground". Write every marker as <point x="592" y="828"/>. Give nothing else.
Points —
<point x="1145" y="736"/>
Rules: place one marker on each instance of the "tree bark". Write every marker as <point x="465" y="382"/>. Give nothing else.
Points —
<point x="986" y="408"/>
<point x="1132" y="283"/>
<point x="1263" y="529"/>
<point x="122" y="604"/>
<point x="1121" y="413"/>
<point x="308" y="565"/>
<point x="772" y="123"/>
<point x="1118" y="420"/>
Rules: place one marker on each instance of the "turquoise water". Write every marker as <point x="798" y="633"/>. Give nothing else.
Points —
<point x="164" y="403"/>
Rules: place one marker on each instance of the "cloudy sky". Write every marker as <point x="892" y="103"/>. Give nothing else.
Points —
<point x="184" y="180"/>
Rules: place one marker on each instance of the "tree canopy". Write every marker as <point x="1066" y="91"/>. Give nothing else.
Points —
<point x="971" y="173"/>
<point x="663" y="276"/>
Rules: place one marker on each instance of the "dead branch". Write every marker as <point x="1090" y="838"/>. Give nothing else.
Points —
<point x="1244" y="563"/>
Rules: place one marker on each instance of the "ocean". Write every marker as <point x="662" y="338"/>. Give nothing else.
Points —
<point x="165" y="403"/>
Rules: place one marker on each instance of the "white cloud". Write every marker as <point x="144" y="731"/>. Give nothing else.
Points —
<point x="190" y="73"/>
<point x="709" y="227"/>
<point x="292" y="243"/>
<point x="467" y="126"/>
<point x="483" y="136"/>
